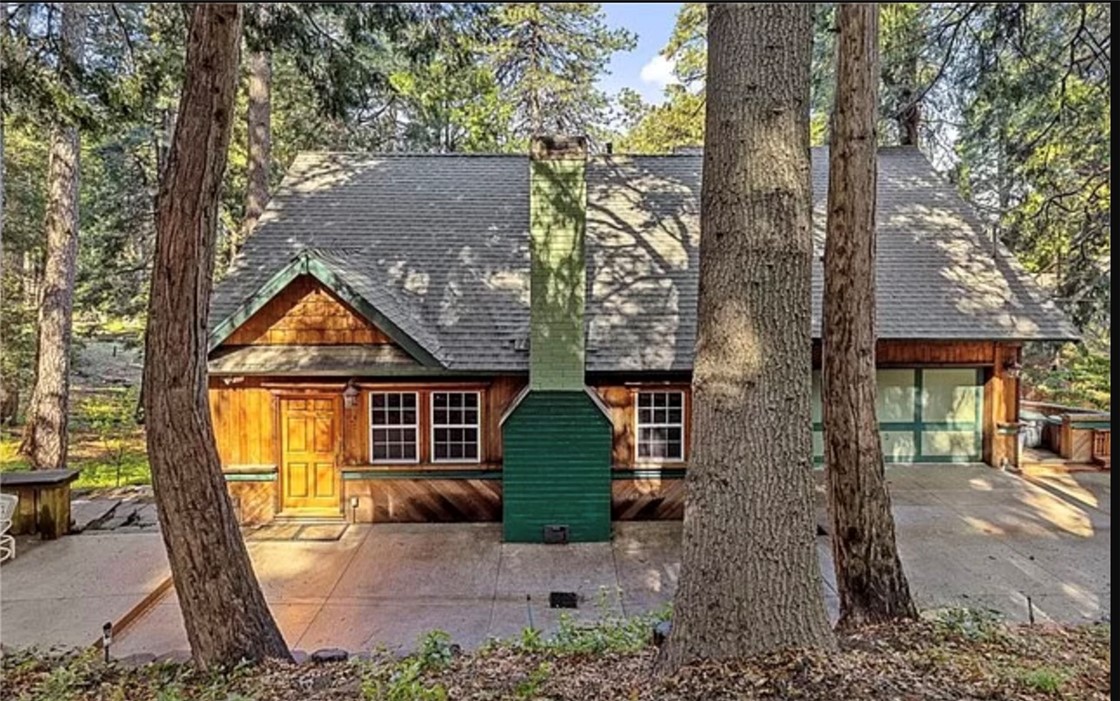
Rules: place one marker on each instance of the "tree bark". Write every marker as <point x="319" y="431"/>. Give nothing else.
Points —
<point x="909" y="119"/>
<point x="260" y="145"/>
<point x="45" y="438"/>
<point x="750" y="578"/>
<point x="224" y="611"/>
<point x="869" y="576"/>
<point x="9" y="391"/>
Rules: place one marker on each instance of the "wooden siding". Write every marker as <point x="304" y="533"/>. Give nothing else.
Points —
<point x="253" y="502"/>
<point x="556" y="471"/>
<point x="620" y="401"/>
<point x="497" y="394"/>
<point x="1001" y="409"/>
<point x="1000" y="393"/>
<point x="647" y="499"/>
<point x="244" y="417"/>
<point x="306" y="313"/>
<point x="423" y="501"/>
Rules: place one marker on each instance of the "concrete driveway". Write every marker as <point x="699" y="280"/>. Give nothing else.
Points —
<point x="969" y="536"/>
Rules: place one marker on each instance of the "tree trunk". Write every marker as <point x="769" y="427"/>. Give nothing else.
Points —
<point x="909" y="119"/>
<point x="260" y="146"/>
<point x="45" y="438"/>
<point x="224" y="611"/>
<point x="869" y="574"/>
<point x="750" y="578"/>
<point x="9" y="390"/>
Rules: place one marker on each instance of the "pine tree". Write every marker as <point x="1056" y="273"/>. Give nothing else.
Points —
<point x="224" y="612"/>
<point x="869" y="576"/>
<point x="750" y="579"/>
<point x="546" y="58"/>
<point x="46" y="435"/>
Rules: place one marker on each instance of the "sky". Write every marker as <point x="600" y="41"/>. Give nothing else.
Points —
<point x="642" y="69"/>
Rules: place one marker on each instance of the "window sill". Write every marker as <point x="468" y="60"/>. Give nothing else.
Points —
<point x="426" y="466"/>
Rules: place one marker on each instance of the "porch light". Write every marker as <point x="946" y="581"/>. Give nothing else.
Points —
<point x="350" y="395"/>
<point x="1013" y="369"/>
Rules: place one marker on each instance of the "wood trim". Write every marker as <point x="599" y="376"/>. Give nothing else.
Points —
<point x="686" y="425"/>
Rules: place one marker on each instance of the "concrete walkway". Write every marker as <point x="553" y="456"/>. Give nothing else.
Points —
<point x="969" y="536"/>
<point x="60" y="593"/>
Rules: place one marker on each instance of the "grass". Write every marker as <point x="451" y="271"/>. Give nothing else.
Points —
<point x="96" y="462"/>
<point x="106" y="444"/>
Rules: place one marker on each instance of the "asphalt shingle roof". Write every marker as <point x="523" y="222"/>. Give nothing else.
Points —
<point x="440" y="245"/>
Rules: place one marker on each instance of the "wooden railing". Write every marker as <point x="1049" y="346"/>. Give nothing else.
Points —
<point x="1102" y="447"/>
<point x="1082" y="436"/>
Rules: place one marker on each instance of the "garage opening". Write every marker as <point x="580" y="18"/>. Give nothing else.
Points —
<point x="926" y="415"/>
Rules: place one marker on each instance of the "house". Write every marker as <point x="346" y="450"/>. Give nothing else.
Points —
<point x="502" y="337"/>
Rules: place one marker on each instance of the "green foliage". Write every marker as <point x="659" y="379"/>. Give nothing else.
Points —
<point x="546" y="58"/>
<point x="973" y="624"/>
<point x="608" y="633"/>
<point x="435" y="650"/>
<point x="1045" y="679"/>
<point x="403" y="680"/>
<point x="1031" y="91"/>
<point x="529" y="687"/>
<point x="111" y="416"/>
<point x="1079" y="375"/>
<point x="106" y="445"/>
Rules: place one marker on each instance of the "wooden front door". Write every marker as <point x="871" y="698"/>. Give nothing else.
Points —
<point x="309" y="429"/>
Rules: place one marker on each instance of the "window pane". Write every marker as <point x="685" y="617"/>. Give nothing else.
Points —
<point x="962" y="445"/>
<point x="660" y="418"/>
<point x="896" y="396"/>
<point x="949" y="395"/>
<point x="452" y="435"/>
<point x="388" y="441"/>
<point x="898" y="446"/>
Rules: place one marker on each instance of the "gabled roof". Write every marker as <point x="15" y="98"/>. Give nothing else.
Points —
<point x="338" y="272"/>
<point x="436" y="246"/>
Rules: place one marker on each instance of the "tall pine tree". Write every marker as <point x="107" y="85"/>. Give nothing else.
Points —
<point x="750" y="579"/>
<point x="546" y="58"/>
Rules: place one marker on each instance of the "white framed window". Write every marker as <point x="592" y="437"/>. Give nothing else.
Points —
<point x="394" y="419"/>
<point x="660" y="426"/>
<point x="455" y="426"/>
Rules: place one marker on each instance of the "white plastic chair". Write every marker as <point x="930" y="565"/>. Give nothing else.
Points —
<point x="8" y="504"/>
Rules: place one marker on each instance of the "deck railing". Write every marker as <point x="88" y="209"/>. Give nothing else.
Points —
<point x="1102" y="446"/>
<point x="1077" y="434"/>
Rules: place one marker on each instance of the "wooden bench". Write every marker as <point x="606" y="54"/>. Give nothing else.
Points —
<point x="44" y="501"/>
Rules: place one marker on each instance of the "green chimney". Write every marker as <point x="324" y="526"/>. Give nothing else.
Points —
<point x="557" y="223"/>
<point x="556" y="471"/>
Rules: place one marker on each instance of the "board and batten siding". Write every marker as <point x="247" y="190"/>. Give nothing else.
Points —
<point x="557" y="468"/>
<point x="245" y="418"/>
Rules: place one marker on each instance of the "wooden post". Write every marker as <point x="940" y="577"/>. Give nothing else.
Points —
<point x="1001" y="408"/>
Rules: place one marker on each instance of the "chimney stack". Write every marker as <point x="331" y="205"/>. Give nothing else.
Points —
<point x="558" y="274"/>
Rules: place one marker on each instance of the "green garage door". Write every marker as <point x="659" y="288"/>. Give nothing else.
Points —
<point x="925" y="414"/>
